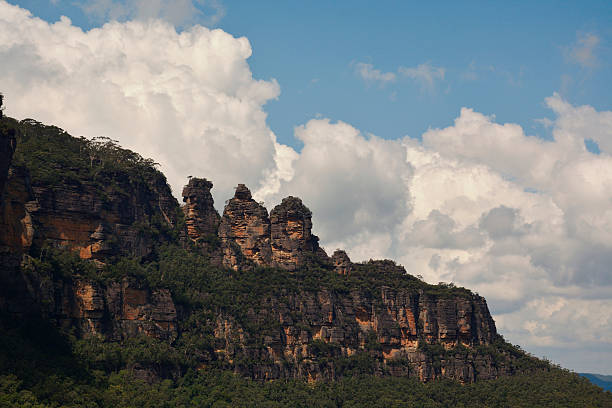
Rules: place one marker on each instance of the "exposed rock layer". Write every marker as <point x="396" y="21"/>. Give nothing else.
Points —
<point x="341" y="262"/>
<point x="387" y="327"/>
<point x="201" y="218"/>
<point x="291" y="233"/>
<point x="245" y="231"/>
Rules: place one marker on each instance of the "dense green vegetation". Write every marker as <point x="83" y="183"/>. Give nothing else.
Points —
<point x="54" y="158"/>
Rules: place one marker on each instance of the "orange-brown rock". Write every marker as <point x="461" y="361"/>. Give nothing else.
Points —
<point x="245" y="231"/>
<point x="97" y="224"/>
<point x="341" y="261"/>
<point x="387" y="325"/>
<point x="291" y="234"/>
<point x="116" y="311"/>
<point x="201" y="217"/>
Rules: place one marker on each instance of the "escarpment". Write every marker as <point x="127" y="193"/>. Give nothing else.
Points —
<point x="321" y="332"/>
<point x="98" y="214"/>
<point x="92" y="239"/>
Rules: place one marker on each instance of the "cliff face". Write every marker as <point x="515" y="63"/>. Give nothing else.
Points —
<point x="95" y="219"/>
<point x="80" y="218"/>
<point x="114" y="311"/>
<point x="7" y="148"/>
<point x="94" y="223"/>
<point x="386" y="327"/>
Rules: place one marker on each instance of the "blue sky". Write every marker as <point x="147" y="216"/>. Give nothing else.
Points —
<point x="499" y="58"/>
<point x="286" y="96"/>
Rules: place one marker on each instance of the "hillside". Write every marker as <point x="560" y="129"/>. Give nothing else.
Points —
<point x="113" y="294"/>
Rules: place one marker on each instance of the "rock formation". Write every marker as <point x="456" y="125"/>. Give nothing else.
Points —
<point x="100" y="224"/>
<point x="245" y="231"/>
<point x="341" y="261"/>
<point x="291" y="236"/>
<point x="387" y="326"/>
<point x="94" y="223"/>
<point x="120" y="310"/>
<point x="201" y="217"/>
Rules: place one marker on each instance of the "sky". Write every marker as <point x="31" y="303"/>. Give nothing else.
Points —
<point x="469" y="141"/>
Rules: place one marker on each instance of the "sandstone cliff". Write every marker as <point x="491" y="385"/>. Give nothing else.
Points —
<point x="99" y="214"/>
<point x="96" y="223"/>
<point x="245" y="231"/>
<point x="292" y="240"/>
<point x="201" y="218"/>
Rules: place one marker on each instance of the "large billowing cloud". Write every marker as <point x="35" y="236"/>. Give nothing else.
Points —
<point x="524" y="221"/>
<point x="188" y="100"/>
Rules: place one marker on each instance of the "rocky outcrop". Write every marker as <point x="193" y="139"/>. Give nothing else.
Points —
<point x="391" y="328"/>
<point x="313" y="328"/>
<point x="117" y="311"/>
<point x="245" y="231"/>
<point x="95" y="222"/>
<point x="98" y="224"/>
<point x="291" y="236"/>
<point x="248" y="236"/>
<point x="114" y="311"/>
<point x="201" y="217"/>
<point x="342" y="263"/>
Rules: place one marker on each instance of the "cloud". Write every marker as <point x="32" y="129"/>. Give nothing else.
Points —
<point x="368" y="73"/>
<point x="177" y="12"/>
<point x="425" y="74"/>
<point x="187" y="99"/>
<point x="583" y="51"/>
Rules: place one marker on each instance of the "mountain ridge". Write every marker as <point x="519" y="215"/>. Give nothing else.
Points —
<point x="94" y="244"/>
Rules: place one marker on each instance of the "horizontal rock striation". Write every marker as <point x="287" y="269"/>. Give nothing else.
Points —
<point x="247" y="235"/>
<point x="117" y="311"/>
<point x="390" y="328"/>
<point x="98" y="224"/>
<point x="291" y="236"/>
<point x="245" y="231"/>
<point x="201" y="218"/>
